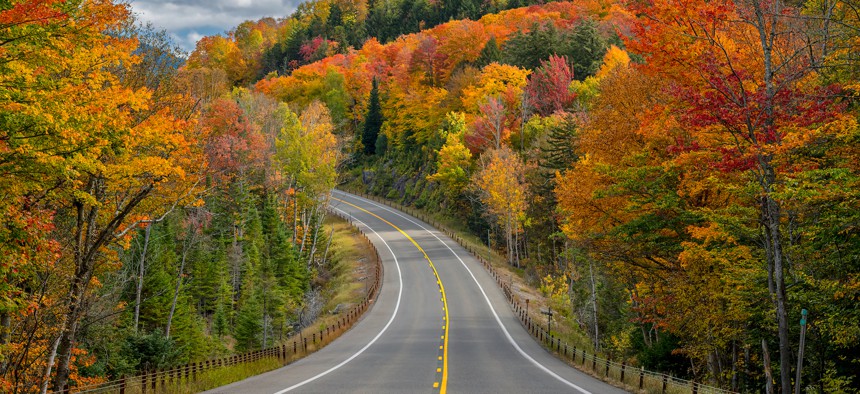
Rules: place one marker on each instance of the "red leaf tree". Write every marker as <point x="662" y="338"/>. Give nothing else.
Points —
<point x="548" y="89"/>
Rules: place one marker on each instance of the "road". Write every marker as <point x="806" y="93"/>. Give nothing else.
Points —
<point x="423" y="337"/>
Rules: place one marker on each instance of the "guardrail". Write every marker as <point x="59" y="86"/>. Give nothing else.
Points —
<point x="192" y="377"/>
<point x="612" y="371"/>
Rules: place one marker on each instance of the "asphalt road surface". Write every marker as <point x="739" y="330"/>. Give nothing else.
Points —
<point x="421" y="336"/>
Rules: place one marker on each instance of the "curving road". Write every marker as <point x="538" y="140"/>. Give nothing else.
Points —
<point x="404" y="344"/>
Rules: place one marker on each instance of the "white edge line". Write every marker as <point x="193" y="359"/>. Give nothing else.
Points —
<point x="393" y="315"/>
<point x="493" y="310"/>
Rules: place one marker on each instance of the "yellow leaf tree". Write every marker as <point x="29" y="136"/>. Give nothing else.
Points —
<point x="504" y="191"/>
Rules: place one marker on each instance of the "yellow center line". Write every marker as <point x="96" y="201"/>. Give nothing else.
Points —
<point x="444" y="384"/>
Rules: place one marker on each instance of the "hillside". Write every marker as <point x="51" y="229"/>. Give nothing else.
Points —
<point x="680" y="179"/>
<point x="657" y="180"/>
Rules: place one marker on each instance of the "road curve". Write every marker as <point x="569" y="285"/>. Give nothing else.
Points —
<point x="409" y="342"/>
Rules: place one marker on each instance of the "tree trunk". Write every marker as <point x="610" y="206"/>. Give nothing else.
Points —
<point x="316" y="234"/>
<point x="5" y="327"/>
<point x="767" y="374"/>
<point x="88" y="241"/>
<point x="185" y="248"/>
<point x="51" y="357"/>
<point x="594" y="305"/>
<point x="734" y="366"/>
<point x="265" y="320"/>
<point x="235" y="259"/>
<point x="304" y="231"/>
<point x="517" y="243"/>
<point x="775" y="241"/>
<point x="295" y="221"/>
<point x="327" y="245"/>
<point x="140" y="273"/>
<point x="84" y="229"/>
<point x="747" y="361"/>
<point x="765" y="23"/>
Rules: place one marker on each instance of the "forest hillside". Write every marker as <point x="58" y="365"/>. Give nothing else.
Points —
<point x="680" y="178"/>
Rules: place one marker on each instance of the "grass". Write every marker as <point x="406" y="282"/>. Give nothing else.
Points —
<point x="352" y="269"/>
<point x="224" y="376"/>
<point x="206" y="380"/>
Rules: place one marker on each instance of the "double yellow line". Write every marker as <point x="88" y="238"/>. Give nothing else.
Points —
<point x="443" y="385"/>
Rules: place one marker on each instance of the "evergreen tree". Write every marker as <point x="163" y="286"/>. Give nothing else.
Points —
<point x="372" y="120"/>
<point x="526" y="50"/>
<point x="561" y="150"/>
<point x="491" y="53"/>
<point x="249" y="323"/>
<point x="586" y="49"/>
<point x="335" y="18"/>
<point x="583" y="45"/>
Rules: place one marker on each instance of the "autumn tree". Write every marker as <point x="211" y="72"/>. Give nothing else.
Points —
<point x="454" y="159"/>
<point x="745" y="90"/>
<point x="429" y="59"/>
<point x="307" y="149"/>
<point x="490" y="130"/>
<point x="502" y="186"/>
<point x="548" y="88"/>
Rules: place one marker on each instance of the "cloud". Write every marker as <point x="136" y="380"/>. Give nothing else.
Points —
<point x="189" y="20"/>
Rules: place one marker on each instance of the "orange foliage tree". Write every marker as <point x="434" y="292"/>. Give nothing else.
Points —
<point x="95" y="133"/>
<point x="745" y="89"/>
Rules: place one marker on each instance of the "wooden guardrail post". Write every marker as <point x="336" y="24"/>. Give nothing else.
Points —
<point x="641" y="377"/>
<point x="622" y="371"/>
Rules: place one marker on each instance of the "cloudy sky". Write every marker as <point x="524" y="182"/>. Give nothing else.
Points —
<point x="189" y="20"/>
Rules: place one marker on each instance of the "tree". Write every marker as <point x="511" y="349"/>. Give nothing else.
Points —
<point x="503" y="189"/>
<point x="490" y="130"/>
<point x="586" y="50"/>
<point x="490" y="53"/>
<point x="93" y="127"/>
<point x="745" y="89"/>
<point x="372" y="120"/>
<point x="428" y="59"/>
<point x="548" y="88"/>
<point x="454" y="160"/>
<point x="583" y="46"/>
<point x="499" y="80"/>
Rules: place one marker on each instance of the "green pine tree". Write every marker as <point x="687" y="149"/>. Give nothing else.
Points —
<point x="490" y="53"/>
<point x="372" y="121"/>
<point x="561" y="146"/>
<point x="249" y="323"/>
